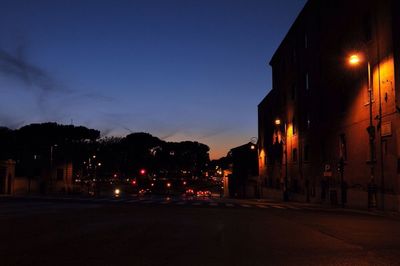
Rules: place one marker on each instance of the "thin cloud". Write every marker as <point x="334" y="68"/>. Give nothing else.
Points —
<point x="15" y="66"/>
<point x="10" y="122"/>
<point x="48" y="92"/>
<point x="98" y="96"/>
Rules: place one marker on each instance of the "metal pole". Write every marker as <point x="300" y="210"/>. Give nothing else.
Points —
<point x="51" y="168"/>
<point x="286" y="195"/>
<point x="371" y="133"/>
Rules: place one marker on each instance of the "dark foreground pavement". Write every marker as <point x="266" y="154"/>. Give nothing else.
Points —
<point x="36" y="232"/>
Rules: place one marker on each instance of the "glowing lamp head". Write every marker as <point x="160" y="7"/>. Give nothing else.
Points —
<point x="354" y="59"/>
<point x="277" y="122"/>
<point x="117" y="192"/>
<point x="142" y="171"/>
<point x="168" y="184"/>
<point x="253" y="147"/>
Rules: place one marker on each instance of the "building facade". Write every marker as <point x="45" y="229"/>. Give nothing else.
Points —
<point x="243" y="182"/>
<point x="330" y="130"/>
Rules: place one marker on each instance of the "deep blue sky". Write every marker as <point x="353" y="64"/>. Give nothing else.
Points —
<point x="178" y="69"/>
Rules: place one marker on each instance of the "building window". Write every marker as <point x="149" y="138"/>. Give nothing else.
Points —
<point x="294" y="92"/>
<point x="307" y="82"/>
<point x="306" y="152"/>
<point x="343" y="147"/>
<point x="385" y="148"/>
<point x="283" y="66"/>
<point x="367" y="23"/>
<point x="305" y="41"/>
<point x="343" y="101"/>
<point x="3" y="172"/>
<point x="294" y="56"/>
<point x="60" y="174"/>
<point x="294" y="155"/>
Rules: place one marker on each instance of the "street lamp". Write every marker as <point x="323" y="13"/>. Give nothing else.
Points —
<point x="278" y="123"/>
<point x="355" y="60"/>
<point x="51" y="166"/>
<point x="254" y="148"/>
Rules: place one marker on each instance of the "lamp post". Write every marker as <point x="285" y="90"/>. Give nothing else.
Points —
<point x="355" y="60"/>
<point x="278" y="123"/>
<point x="254" y="147"/>
<point x="51" y="166"/>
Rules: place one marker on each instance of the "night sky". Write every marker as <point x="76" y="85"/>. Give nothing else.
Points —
<point x="179" y="70"/>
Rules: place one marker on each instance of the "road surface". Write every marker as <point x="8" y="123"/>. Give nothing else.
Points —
<point x="177" y="231"/>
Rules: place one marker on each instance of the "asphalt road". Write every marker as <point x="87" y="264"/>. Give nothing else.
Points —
<point x="190" y="232"/>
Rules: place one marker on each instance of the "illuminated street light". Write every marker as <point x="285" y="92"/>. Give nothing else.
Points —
<point x="277" y="122"/>
<point x="355" y="60"/>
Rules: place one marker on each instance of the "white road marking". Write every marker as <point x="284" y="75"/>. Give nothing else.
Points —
<point x="277" y="207"/>
<point x="293" y="207"/>
<point x="133" y="200"/>
<point x="147" y="201"/>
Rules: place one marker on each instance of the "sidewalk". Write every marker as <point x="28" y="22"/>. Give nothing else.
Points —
<point x="316" y="206"/>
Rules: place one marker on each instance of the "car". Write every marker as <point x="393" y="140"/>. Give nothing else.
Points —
<point x="117" y="192"/>
<point x="189" y="192"/>
<point x="144" y="191"/>
<point x="203" y="193"/>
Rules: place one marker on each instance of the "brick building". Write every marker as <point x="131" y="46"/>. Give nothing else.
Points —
<point x="324" y="106"/>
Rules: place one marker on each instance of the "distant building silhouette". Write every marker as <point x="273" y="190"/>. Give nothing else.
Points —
<point x="243" y="179"/>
